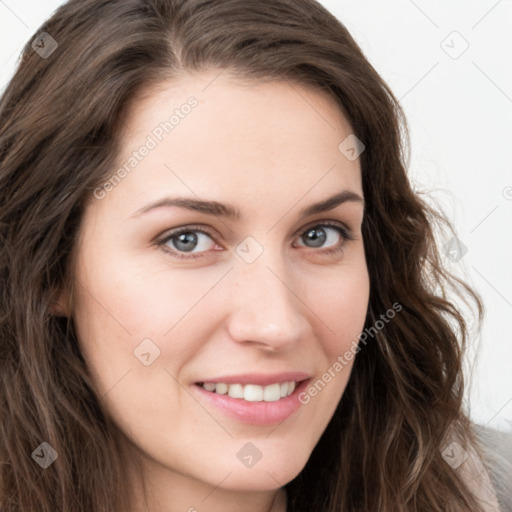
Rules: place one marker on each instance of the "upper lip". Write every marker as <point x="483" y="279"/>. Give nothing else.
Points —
<point x="260" y="378"/>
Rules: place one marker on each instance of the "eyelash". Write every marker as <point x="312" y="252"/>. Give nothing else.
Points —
<point x="345" y="233"/>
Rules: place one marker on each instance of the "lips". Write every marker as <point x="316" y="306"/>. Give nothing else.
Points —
<point x="256" y="412"/>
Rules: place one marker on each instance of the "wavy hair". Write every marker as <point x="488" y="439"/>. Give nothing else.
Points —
<point x="60" y="120"/>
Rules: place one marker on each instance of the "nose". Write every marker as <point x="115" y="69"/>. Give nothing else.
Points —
<point x="266" y="307"/>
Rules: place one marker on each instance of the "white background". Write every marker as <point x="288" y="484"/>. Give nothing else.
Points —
<point x="459" y="110"/>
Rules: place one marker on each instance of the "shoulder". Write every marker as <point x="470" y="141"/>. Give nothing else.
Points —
<point x="491" y="478"/>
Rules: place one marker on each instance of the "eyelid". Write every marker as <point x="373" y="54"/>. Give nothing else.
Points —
<point x="327" y="222"/>
<point x="183" y="229"/>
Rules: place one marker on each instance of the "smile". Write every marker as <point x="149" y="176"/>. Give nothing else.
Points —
<point x="252" y="403"/>
<point x="252" y="392"/>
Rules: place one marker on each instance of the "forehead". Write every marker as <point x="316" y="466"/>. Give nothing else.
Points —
<point x="263" y="139"/>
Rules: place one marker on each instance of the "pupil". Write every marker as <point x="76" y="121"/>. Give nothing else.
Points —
<point x="317" y="236"/>
<point x="186" y="238"/>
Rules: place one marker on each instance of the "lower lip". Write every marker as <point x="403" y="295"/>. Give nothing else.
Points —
<point x="255" y="413"/>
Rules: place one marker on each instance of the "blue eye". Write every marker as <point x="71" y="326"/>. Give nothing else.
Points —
<point x="319" y="234"/>
<point x="185" y="240"/>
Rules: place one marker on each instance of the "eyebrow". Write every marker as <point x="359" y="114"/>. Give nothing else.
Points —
<point x="226" y="210"/>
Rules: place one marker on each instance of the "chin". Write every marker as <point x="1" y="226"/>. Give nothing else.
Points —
<point x="265" y="475"/>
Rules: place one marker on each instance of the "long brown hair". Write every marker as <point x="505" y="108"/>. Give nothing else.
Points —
<point x="60" y="119"/>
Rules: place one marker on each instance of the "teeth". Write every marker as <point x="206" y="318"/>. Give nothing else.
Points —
<point x="222" y="389"/>
<point x="236" y="391"/>
<point x="252" y="392"/>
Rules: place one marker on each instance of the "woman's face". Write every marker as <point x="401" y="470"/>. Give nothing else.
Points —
<point x="251" y="297"/>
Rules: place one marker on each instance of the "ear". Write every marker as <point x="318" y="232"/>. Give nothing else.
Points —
<point x="59" y="306"/>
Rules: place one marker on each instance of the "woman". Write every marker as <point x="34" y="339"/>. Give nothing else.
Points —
<point x="170" y="339"/>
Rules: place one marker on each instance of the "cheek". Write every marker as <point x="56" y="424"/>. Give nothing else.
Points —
<point x="343" y="307"/>
<point x="142" y="299"/>
<point x="122" y="304"/>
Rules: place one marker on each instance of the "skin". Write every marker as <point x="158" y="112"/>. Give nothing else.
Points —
<point x="269" y="149"/>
